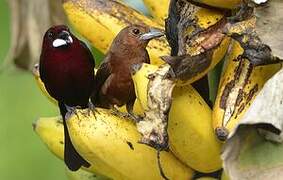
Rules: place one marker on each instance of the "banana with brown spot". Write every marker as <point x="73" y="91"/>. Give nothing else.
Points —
<point x="238" y="87"/>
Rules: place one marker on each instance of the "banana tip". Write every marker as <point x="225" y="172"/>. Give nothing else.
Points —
<point x="221" y="133"/>
<point x="35" y="70"/>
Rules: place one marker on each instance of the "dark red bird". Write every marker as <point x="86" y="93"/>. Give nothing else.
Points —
<point x="113" y="82"/>
<point x="67" y="71"/>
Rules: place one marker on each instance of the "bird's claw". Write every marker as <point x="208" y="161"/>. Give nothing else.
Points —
<point x="135" y="118"/>
<point x="70" y="111"/>
<point x="131" y="116"/>
<point x="92" y="109"/>
<point x="116" y="112"/>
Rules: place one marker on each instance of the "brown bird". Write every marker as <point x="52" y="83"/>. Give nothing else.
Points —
<point x="113" y="82"/>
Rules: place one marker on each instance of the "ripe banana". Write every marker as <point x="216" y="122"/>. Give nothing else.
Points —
<point x="110" y="144"/>
<point x="158" y="9"/>
<point x="239" y="85"/>
<point x="83" y="175"/>
<point x="100" y="21"/>
<point x="191" y="135"/>
<point x="51" y="132"/>
<point x="227" y="4"/>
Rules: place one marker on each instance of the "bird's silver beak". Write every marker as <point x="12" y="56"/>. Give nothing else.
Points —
<point x="64" y="39"/>
<point x="153" y="33"/>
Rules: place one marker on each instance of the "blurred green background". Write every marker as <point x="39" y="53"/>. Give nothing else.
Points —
<point x="22" y="154"/>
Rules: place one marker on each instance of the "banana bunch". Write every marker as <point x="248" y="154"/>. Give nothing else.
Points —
<point x="239" y="85"/>
<point x="110" y="143"/>
<point x="187" y="126"/>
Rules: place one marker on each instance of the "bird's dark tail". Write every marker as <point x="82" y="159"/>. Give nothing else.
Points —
<point x="72" y="158"/>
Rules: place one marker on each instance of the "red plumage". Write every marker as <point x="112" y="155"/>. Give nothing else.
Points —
<point x="67" y="71"/>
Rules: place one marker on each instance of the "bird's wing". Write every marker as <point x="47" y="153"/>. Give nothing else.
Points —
<point x="101" y="76"/>
<point x="92" y="61"/>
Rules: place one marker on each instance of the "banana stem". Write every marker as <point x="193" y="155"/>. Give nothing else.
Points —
<point x="153" y="127"/>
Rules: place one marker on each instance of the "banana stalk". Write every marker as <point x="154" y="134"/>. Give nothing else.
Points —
<point x="111" y="145"/>
<point x="238" y="87"/>
<point x="191" y="137"/>
<point x="100" y="21"/>
<point x="158" y="9"/>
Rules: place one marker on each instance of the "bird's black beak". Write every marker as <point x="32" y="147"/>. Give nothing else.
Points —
<point x="64" y="39"/>
<point x="153" y="33"/>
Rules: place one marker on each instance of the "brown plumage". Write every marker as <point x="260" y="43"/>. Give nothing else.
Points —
<point x="114" y="85"/>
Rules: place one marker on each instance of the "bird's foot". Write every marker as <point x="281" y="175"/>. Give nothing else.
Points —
<point x="92" y="109"/>
<point x="135" y="118"/>
<point x="116" y="112"/>
<point x="70" y="111"/>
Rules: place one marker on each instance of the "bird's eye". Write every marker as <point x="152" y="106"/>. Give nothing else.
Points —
<point x="50" y="35"/>
<point x="136" y="31"/>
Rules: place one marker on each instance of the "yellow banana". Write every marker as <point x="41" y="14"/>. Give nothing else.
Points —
<point x="83" y="175"/>
<point x="191" y="135"/>
<point x="239" y="85"/>
<point x="100" y="21"/>
<point x="51" y="132"/>
<point x="158" y="9"/>
<point x="227" y="4"/>
<point x="110" y="144"/>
